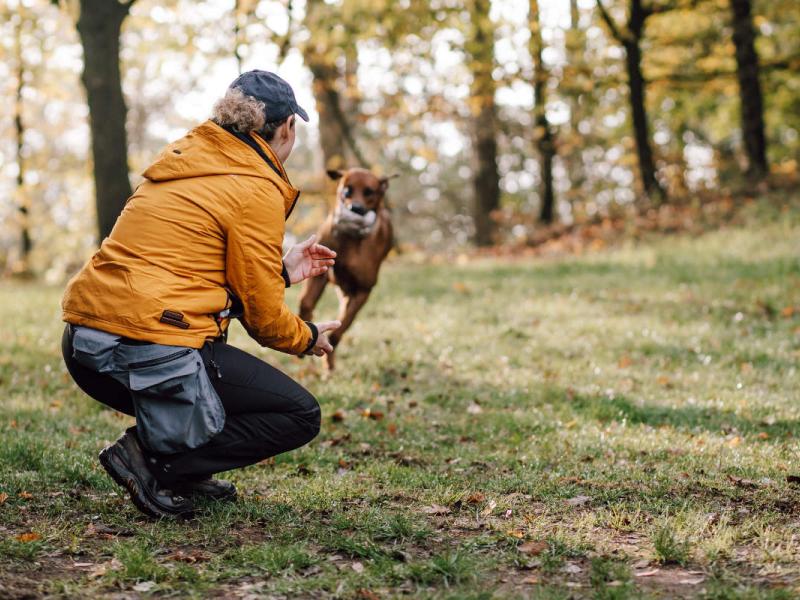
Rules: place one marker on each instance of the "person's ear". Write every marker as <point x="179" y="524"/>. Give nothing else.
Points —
<point x="384" y="182"/>
<point x="335" y="174"/>
<point x="286" y="128"/>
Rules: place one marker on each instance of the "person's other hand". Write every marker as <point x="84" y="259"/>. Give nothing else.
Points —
<point x="308" y="259"/>
<point x="323" y="345"/>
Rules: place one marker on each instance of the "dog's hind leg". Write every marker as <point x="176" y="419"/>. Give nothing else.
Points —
<point x="311" y="293"/>
<point x="349" y="305"/>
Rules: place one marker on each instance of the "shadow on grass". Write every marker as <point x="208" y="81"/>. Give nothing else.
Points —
<point x="687" y="418"/>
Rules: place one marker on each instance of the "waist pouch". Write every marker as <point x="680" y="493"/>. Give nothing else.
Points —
<point x="177" y="408"/>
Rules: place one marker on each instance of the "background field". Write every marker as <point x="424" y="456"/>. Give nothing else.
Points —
<point x="620" y="424"/>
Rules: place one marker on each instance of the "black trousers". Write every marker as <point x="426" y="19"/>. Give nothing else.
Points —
<point x="267" y="412"/>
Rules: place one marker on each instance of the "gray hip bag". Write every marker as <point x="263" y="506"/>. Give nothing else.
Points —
<point x="177" y="408"/>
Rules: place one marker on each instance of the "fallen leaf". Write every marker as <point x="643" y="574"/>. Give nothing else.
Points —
<point x="3" y="498"/>
<point x="477" y="498"/>
<point x="571" y="568"/>
<point x="763" y="435"/>
<point x="25" y="495"/>
<point x="435" y="509"/>
<point x="663" y="380"/>
<point x="376" y="415"/>
<point x="460" y="287"/>
<point x="625" y="362"/>
<point x="534" y="548"/>
<point x="29" y="537"/>
<point x="337" y="416"/>
<point x="391" y="428"/>
<point x="741" y="482"/>
<point x="144" y="586"/>
<point x="788" y="311"/>
<point x="489" y="508"/>
<point x="578" y="500"/>
<point x="647" y="573"/>
<point x="531" y="580"/>
<point x="364" y="594"/>
<point x="474" y="408"/>
<point x="692" y="580"/>
<point x="357" y="567"/>
<point x="734" y="442"/>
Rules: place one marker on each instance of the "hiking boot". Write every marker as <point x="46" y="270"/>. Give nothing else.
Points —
<point x="214" y="489"/>
<point x="125" y="462"/>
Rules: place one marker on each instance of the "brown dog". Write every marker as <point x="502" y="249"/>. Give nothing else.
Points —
<point x="359" y="229"/>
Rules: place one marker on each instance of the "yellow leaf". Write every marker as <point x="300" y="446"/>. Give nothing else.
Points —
<point x="29" y="537"/>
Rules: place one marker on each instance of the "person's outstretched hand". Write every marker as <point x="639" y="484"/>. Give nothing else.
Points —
<point x="323" y="345"/>
<point x="308" y="259"/>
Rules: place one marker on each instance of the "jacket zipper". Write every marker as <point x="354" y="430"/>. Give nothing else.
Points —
<point x="160" y="360"/>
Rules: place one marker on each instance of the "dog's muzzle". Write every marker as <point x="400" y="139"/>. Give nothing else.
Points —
<point x="352" y="224"/>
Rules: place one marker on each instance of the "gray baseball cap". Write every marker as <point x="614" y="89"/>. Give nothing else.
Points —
<point x="274" y="92"/>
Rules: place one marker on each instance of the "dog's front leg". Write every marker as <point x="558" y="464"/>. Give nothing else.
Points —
<point x="312" y="290"/>
<point x="349" y="305"/>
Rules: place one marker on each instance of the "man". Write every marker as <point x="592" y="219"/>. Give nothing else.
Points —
<point x="199" y="243"/>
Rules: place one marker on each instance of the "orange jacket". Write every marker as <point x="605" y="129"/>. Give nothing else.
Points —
<point x="209" y="217"/>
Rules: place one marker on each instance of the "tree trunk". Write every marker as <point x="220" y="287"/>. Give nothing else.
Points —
<point x="22" y="198"/>
<point x="99" y="27"/>
<point x="747" y="72"/>
<point x="636" y="83"/>
<point x="543" y="133"/>
<point x="631" y="39"/>
<point x="486" y="182"/>
<point x="328" y="105"/>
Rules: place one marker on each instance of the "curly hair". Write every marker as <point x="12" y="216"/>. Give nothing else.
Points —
<point x="244" y="113"/>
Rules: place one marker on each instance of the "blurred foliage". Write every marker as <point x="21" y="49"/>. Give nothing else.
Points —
<point x="404" y="72"/>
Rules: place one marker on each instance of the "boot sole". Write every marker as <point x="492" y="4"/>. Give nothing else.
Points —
<point x="126" y="479"/>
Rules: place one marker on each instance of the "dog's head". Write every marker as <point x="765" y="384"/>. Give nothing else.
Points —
<point x="360" y="191"/>
<point x="359" y="198"/>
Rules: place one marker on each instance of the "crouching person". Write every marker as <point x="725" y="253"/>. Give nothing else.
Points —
<point x="200" y="243"/>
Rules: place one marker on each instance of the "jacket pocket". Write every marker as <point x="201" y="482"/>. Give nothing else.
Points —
<point x="177" y="408"/>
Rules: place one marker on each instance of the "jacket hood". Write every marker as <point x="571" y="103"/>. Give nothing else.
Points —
<point x="210" y="150"/>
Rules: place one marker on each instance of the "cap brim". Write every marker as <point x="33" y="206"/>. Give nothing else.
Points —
<point x="303" y="114"/>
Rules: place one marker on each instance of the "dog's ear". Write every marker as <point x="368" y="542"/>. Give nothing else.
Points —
<point x="335" y="174"/>
<point x="385" y="181"/>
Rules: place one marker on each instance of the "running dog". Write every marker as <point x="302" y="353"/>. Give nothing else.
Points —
<point x="359" y="229"/>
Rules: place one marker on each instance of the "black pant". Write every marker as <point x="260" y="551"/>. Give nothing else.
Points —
<point x="267" y="412"/>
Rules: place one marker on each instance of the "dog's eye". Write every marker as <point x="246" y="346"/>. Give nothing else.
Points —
<point x="347" y="192"/>
<point x="368" y="192"/>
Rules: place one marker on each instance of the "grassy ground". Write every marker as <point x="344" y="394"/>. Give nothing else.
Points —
<point x="619" y="425"/>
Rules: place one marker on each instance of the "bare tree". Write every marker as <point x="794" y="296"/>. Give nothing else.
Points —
<point x="26" y="245"/>
<point x="486" y="182"/>
<point x="630" y="37"/>
<point x="543" y="132"/>
<point x="752" y="102"/>
<point x="99" y="26"/>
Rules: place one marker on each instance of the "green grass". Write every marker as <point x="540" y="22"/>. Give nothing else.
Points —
<point x="634" y="410"/>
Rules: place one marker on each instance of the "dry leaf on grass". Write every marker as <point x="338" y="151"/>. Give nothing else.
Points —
<point x="625" y="362"/>
<point x="476" y="498"/>
<point x="144" y="586"/>
<point x="435" y="509"/>
<point x="474" y="408"/>
<point x="25" y="495"/>
<point x="3" y="497"/>
<point x="337" y="416"/>
<point x="649" y="573"/>
<point x="578" y="500"/>
<point x="357" y="567"/>
<point x="28" y="537"/>
<point x="489" y="508"/>
<point x="534" y="548"/>
<point x="531" y="580"/>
